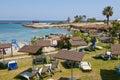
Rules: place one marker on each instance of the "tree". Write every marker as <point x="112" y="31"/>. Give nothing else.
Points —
<point x="108" y="11"/>
<point x="84" y="17"/>
<point x="77" y="19"/>
<point x="80" y="18"/>
<point x="91" y="20"/>
<point x="64" y="43"/>
<point x="115" y="30"/>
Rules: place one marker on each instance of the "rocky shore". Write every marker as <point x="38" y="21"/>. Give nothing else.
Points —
<point x="96" y="25"/>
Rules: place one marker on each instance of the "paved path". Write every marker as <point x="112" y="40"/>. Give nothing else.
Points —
<point x="14" y="58"/>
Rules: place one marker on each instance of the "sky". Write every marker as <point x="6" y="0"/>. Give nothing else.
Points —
<point x="56" y="9"/>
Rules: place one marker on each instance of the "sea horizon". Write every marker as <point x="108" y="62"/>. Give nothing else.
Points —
<point x="30" y="21"/>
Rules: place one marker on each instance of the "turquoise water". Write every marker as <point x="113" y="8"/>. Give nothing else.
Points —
<point x="17" y="31"/>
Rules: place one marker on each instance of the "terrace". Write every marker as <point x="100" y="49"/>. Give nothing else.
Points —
<point x="101" y="70"/>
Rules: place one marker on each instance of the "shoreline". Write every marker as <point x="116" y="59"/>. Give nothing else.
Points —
<point x="96" y="25"/>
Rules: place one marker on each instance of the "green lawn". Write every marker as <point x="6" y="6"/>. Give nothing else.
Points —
<point x="101" y="70"/>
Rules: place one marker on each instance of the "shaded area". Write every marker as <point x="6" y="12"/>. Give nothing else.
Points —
<point x="109" y="75"/>
<point x="64" y="65"/>
<point x="63" y="78"/>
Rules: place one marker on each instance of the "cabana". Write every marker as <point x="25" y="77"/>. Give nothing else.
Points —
<point x="72" y="56"/>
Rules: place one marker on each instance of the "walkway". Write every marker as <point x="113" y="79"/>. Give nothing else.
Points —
<point x="14" y="58"/>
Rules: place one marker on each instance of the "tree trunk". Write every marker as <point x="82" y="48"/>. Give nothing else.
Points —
<point x="107" y="20"/>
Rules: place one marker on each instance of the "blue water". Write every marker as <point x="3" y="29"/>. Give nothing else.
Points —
<point x="19" y="32"/>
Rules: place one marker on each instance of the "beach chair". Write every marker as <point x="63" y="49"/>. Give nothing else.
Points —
<point x="55" y="67"/>
<point x="70" y="64"/>
<point x="51" y="56"/>
<point x="39" y="60"/>
<point x="26" y="75"/>
<point x="85" y="66"/>
<point x="12" y="65"/>
<point x="26" y="42"/>
<point x="3" y="65"/>
<point x="15" y="44"/>
<point x="44" y="71"/>
<point x="29" y="74"/>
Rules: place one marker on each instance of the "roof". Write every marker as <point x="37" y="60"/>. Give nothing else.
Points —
<point x="29" y="49"/>
<point x="78" y="43"/>
<point x="76" y="38"/>
<point x="5" y="45"/>
<point x="69" y="55"/>
<point x="115" y="49"/>
<point x="93" y="35"/>
<point x="104" y="38"/>
<point x="43" y="43"/>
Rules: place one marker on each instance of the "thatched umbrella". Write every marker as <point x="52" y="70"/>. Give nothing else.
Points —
<point x="71" y="56"/>
<point x="43" y="43"/>
<point x="78" y="43"/>
<point x="116" y="50"/>
<point x="2" y="48"/>
<point x="31" y="49"/>
<point x="6" y="45"/>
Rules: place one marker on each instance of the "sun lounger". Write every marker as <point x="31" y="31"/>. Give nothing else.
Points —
<point x="55" y="67"/>
<point x="39" y="60"/>
<point x="98" y="47"/>
<point x="44" y="71"/>
<point x="26" y="75"/>
<point x="29" y="75"/>
<point x="85" y="66"/>
<point x="52" y="58"/>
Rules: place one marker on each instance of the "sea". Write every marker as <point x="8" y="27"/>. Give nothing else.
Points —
<point x="15" y="30"/>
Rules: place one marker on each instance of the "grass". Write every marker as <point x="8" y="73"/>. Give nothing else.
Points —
<point x="101" y="70"/>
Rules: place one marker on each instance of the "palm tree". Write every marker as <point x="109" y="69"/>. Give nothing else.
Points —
<point x="108" y="11"/>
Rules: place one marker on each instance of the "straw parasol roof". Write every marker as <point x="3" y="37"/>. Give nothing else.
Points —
<point x="69" y="55"/>
<point x="5" y="45"/>
<point x="29" y="49"/>
<point x="76" y="38"/>
<point x="105" y="38"/>
<point x="115" y="49"/>
<point x="78" y="43"/>
<point x="43" y="43"/>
